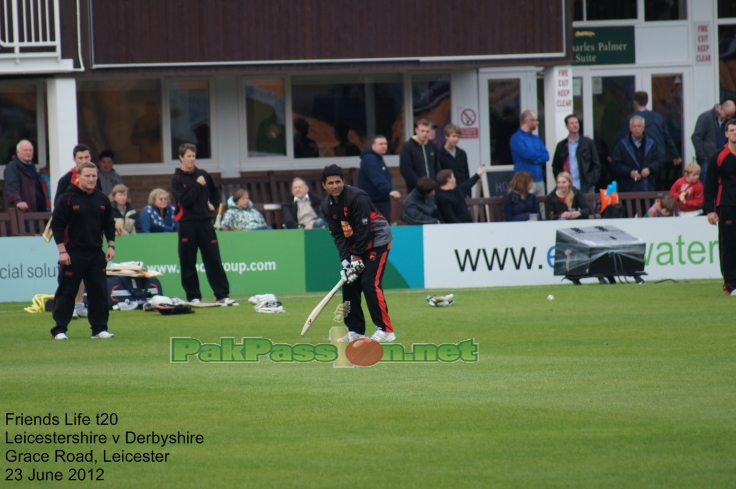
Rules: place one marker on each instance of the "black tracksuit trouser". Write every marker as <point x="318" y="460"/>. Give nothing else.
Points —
<point x="88" y="266"/>
<point x="370" y="284"/>
<point x="727" y="245"/>
<point x="201" y="235"/>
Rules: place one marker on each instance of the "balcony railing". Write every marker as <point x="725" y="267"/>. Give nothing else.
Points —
<point x="30" y="29"/>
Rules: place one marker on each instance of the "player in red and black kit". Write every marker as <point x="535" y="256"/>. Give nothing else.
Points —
<point x="196" y="197"/>
<point x="720" y="204"/>
<point x="363" y="239"/>
<point x="81" y="216"/>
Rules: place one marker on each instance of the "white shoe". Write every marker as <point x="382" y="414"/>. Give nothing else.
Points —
<point x="351" y="336"/>
<point x="103" y="334"/>
<point x="194" y="301"/>
<point x="227" y="302"/>
<point x="382" y="336"/>
<point x="81" y="312"/>
<point x="75" y="315"/>
<point x="61" y="336"/>
<point x="733" y="292"/>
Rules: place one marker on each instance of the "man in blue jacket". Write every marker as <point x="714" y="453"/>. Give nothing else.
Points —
<point x="375" y="179"/>
<point x="529" y="151"/>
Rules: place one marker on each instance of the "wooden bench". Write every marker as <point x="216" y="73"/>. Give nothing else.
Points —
<point x="5" y="223"/>
<point x="35" y="222"/>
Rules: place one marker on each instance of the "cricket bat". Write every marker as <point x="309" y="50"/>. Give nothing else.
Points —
<point x="47" y="233"/>
<point x="317" y="310"/>
<point x="218" y="219"/>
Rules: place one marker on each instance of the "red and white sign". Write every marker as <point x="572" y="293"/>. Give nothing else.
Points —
<point x="468" y="122"/>
<point x="563" y="89"/>
<point x="703" y="43"/>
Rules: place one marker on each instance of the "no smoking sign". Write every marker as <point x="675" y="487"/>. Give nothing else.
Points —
<point x="468" y="122"/>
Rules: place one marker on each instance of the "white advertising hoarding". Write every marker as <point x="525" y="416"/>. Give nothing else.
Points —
<point x="522" y="253"/>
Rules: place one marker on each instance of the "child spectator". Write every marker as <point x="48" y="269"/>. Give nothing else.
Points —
<point x="240" y="214"/>
<point x="158" y="215"/>
<point x="664" y="207"/>
<point x="688" y="191"/>
<point x="125" y="215"/>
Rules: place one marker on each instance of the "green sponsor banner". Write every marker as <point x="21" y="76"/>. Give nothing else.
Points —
<point x="256" y="262"/>
<point x="604" y="46"/>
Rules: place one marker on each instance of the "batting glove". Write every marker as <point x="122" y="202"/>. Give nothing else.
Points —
<point x="350" y="273"/>
<point x="440" y="300"/>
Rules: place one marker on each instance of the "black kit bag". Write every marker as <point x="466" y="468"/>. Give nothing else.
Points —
<point x="614" y="211"/>
<point x="133" y="289"/>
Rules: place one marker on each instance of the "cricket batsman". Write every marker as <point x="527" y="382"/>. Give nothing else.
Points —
<point x="363" y="239"/>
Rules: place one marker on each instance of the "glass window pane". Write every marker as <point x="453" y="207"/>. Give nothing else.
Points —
<point x="665" y="10"/>
<point x="540" y="109"/>
<point x="613" y="100"/>
<point x="726" y="9"/>
<point x="504" y="106"/>
<point x="667" y="101"/>
<point x="189" y="102"/>
<point x="431" y="100"/>
<point x="123" y="116"/>
<point x="727" y="60"/>
<point x="610" y="9"/>
<point x="336" y="118"/>
<point x="577" y="10"/>
<point x="577" y="100"/>
<point x="265" y="117"/>
<point x="17" y="119"/>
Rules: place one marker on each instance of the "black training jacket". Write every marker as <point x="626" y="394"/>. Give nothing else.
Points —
<point x="192" y="197"/>
<point x="80" y="219"/>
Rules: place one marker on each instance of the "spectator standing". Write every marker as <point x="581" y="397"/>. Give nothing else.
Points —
<point x="578" y="156"/>
<point x="419" y="156"/>
<point x="451" y="196"/>
<point x="454" y="158"/>
<point x="375" y="179"/>
<point x="24" y="188"/>
<point x="108" y="176"/>
<point x="528" y="150"/>
<point x="709" y="135"/>
<point x="158" y="215"/>
<point x="635" y="159"/>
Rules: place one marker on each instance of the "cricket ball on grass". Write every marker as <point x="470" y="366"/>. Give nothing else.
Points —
<point x="364" y="352"/>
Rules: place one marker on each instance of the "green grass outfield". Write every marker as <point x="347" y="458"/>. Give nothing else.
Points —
<point x="604" y="387"/>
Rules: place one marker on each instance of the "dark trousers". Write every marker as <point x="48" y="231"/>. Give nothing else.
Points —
<point x="88" y="266"/>
<point x="384" y="208"/>
<point x="200" y="235"/>
<point x="370" y="284"/>
<point x="727" y="245"/>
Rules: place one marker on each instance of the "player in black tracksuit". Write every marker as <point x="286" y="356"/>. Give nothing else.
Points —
<point x="361" y="233"/>
<point x="196" y="197"/>
<point x="81" y="217"/>
<point x="720" y="205"/>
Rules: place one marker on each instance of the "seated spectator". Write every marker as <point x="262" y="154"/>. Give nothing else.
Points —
<point x="240" y="214"/>
<point x="158" y="215"/>
<point x="304" y="212"/>
<point x="664" y="207"/>
<point x="451" y="196"/>
<point x="520" y="203"/>
<point x="420" y="206"/>
<point x="125" y="215"/>
<point x="565" y="201"/>
<point x="688" y="191"/>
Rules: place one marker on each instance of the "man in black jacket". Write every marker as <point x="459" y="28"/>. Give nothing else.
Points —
<point x="451" y="196"/>
<point x="419" y="156"/>
<point x="578" y="156"/>
<point x="197" y="195"/>
<point x="80" y="219"/>
<point x="304" y="211"/>
<point x="453" y="157"/>
<point x="363" y="239"/>
<point x="636" y="159"/>
<point x="709" y="135"/>
<point x="81" y="155"/>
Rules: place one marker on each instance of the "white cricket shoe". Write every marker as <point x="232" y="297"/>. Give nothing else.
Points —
<point x="81" y="312"/>
<point x="351" y="336"/>
<point x="226" y="301"/>
<point x="382" y="336"/>
<point x="61" y="336"/>
<point x="733" y="292"/>
<point x="103" y="334"/>
<point x="195" y="301"/>
<point x="75" y="315"/>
